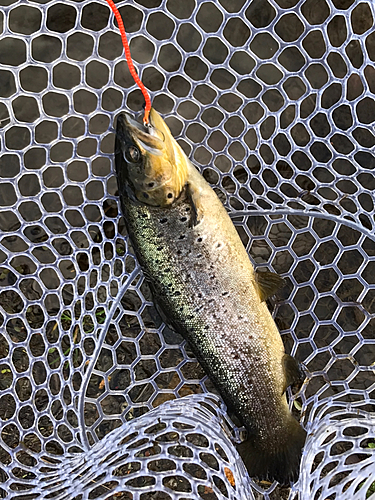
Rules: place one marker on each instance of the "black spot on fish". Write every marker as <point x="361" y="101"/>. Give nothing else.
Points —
<point x="187" y="209"/>
<point x="159" y="249"/>
<point x="219" y="245"/>
<point x="181" y="237"/>
<point x="179" y="252"/>
<point x="200" y="295"/>
<point x="199" y="239"/>
<point x="163" y="220"/>
<point x="177" y="293"/>
<point x="207" y="327"/>
<point x="199" y="255"/>
<point x="240" y="317"/>
<point x="225" y="293"/>
<point x="183" y="219"/>
<point x="145" y="195"/>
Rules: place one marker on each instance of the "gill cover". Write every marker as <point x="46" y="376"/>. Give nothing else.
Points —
<point x="156" y="166"/>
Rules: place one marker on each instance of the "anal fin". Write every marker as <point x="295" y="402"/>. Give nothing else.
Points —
<point x="268" y="283"/>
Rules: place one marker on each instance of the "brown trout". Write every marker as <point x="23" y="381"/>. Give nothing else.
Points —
<point x="205" y="288"/>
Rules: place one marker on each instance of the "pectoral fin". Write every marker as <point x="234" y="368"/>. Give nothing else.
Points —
<point x="268" y="284"/>
<point x="195" y="195"/>
<point x="292" y="371"/>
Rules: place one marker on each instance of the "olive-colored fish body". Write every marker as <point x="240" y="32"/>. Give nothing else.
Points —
<point x="205" y="286"/>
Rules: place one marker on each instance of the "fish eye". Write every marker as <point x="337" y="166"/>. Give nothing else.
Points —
<point x="132" y="154"/>
<point x="169" y="195"/>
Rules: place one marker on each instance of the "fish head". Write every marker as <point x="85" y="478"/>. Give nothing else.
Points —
<point x="155" y="165"/>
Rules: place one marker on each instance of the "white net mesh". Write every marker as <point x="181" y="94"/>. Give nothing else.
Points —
<point x="274" y="101"/>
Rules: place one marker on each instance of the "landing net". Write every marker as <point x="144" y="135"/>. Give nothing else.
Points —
<point x="274" y="101"/>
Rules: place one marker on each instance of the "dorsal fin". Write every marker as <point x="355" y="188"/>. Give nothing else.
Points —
<point x="292" y="371"/>
<point x="268" y="283"/>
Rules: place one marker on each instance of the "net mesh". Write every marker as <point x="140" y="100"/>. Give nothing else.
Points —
<point x="274" y="102"/>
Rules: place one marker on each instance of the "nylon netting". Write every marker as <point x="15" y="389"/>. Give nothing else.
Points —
<point x="274" y="101"/>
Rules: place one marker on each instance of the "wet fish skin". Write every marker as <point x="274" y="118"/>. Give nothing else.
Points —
<point x="205" y="287"/>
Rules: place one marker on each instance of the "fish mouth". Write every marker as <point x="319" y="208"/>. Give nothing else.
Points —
<point x="128" y="121"/>
<point x="147" y="137"/>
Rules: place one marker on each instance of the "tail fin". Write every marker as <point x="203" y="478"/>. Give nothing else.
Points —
<point x="275" y="457"/>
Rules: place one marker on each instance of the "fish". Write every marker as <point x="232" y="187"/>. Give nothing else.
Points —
<point x="205" y="287"/>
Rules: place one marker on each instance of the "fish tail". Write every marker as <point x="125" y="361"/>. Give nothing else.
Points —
<point x="275" y="456"/>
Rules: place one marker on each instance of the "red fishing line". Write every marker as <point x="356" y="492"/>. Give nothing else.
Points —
<point x="130" y="61"/>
